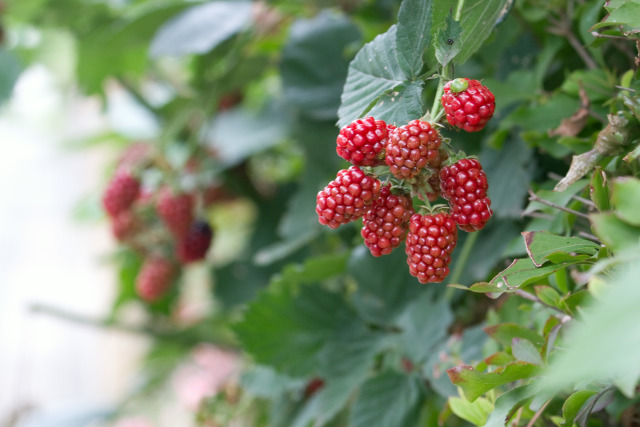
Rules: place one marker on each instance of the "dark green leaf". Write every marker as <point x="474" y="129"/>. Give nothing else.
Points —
<point x="573" y="404"/>
<point x="200" y="28"/>
<point x="525" y="351"/>
<point x="626" y="200"/>
<point x="627" y="15"/>
<point x="389" y="399"/>
<point x="523" y="271"/>
<point x="574" y="301"/>
<point x="313" y="269"/>
<point x="374" y="71"/>
<point x="400" y="105"/>
<point x="413" y="35"/>
<point x="474" y="383"/>
<point x="314" y="66"/>
<point x="540" y="245"/>
<point x="383" y="290"/>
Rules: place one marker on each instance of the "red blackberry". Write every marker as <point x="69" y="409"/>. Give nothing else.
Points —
<point x="347" y="197"/>
<point x="121" y="192"/>
<point x="176" y="211"/>
<point x="429" y="245"/>
<point x="363" y="141"/>
<point x="412" y="147"/>
<point x="465" y="185"/>
<point x="194" y="245"/>
<point x="155" y="278"/>
<point x="468" y="104"/>
<point x="385" y="224"/>
<point x="124" y="225"/>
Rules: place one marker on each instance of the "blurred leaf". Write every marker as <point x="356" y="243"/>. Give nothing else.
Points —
<point x="264" y="382"/>
<point x="424" y="324"/>
<point x="548" y="295"/>
<point x="615" y="233"/>
<point x="314" y="66"/>
<point x="602" y="345"/>
<point x="10" y="70"/>
<point x="508" y="172"/>
<point x="475" y="412"/>
<point x="525" y="351"/>
<point x="599" y="190"/>
<point x="389" y="399"/>
<point x="259" y="131"/>
<point x="626" y="200"/>
<point x="504" y="333"/>
<point x="540" y="245"/>
<point x="383" y="290"/>
<point x="293" y="333"/>
<point x="575" y="300"/>
<point x="413" y="35"/>
<point x="200" y="28"/>
<point x="560" y="198"/>
<point x="474" y="383"/>
<point x="500" y="358"/>
<point x="573" y="404"/>
<point x="374" y="71"/>
<point x="507" y="404"/>
<point x="313" y="269"/>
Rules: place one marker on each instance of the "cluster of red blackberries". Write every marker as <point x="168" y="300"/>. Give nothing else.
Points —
<point x="420" y="166"/>
<point x="161" y="224"/>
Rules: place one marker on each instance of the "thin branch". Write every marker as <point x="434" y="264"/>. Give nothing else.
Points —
<point x="584" y="201"/>
<point x="589" y="236"/>
<point x="538" y="413"/>
<point x="534" y="198"/>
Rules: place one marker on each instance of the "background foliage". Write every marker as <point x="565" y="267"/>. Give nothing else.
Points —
<point x="539" y="325"/>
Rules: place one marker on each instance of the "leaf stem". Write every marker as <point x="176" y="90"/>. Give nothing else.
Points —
<point x="459" y="10"/>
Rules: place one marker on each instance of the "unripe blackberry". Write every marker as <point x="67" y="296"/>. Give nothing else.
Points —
<point x="346" y="198"/>
<point x="464" y="184"/>
<point x="176" y="211"/>
<point x="430" y="242"/>
<point x="121" y="192"/>
<point x="194" y="245"/>
<point x="469" y="105"/>
<point x="412" y="147"/>
<point x="155" y="278"/>
<point x="385" y="224"/>
<point x="363" y="141"/>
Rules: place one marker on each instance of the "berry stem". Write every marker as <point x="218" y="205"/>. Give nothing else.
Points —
<point x="461" y="262"/>
<point x="437" y="111"/>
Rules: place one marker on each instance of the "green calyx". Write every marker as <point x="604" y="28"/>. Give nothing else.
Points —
<point x="458" y="85"/>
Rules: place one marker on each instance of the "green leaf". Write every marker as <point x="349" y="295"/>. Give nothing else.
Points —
<point x="314" y="66"/>
<point x="602" y="346"/>
<point x="294" y="334"/>
<point x="523" y="272"/>
<point x="261" y="130"/>
<point x="615" y="233"/>
<point x="507" y="404"/>
<point x="474" y="383"/>
<point x="424" y="325"/>
<point x="573" y="404"/>
<point x="626" y="200"/>
<point x="500" y="358"/>
<point x="383" y="290"/>
<point x="373" y="72"/>
<point x="572" y="302"/>
<point x="413" y="35"/>
<point x="475" y="412"/>
<point x="389" y="399"/>
<point x="540" y="245"/>
<point x="193" y="31"/>
<point x="548" y="295"/>
<point x="264" y="382"/>
<point x="504" y="333"/>
<point x="313" y="269"/>
<point x="525" y="351"/>
<point x="627" y="15"/>
<point x="400" y="105"/>
<point x="448" y="41"/>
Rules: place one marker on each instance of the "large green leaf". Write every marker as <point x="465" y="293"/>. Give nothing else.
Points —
<point x="413" y="35"/>
<point x="200" y="28"/>
<point x="389" y="399"/>
<point x="294" y="333"/>
<point x="314" y="66"/>
<point x="400" y="105"/>
<point x="626" y="200"/>
<point x="373" y="72"/>
<point x="384" y="290"/>
<point x="540" y="246"/>
<point x="615" y="233"/>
